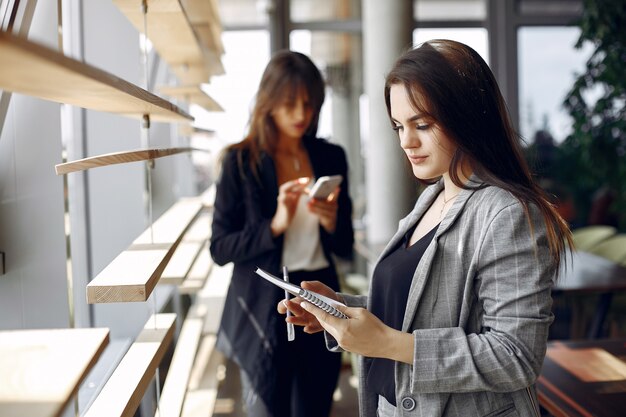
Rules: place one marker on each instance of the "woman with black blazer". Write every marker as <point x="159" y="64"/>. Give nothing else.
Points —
<point x="263" y="218"/>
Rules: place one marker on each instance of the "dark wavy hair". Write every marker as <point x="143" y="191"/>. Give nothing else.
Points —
<point x="284" y="76"/>
<point x="449" y="82"/>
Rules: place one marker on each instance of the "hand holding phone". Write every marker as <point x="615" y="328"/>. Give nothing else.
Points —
<point x="324" y="186"/>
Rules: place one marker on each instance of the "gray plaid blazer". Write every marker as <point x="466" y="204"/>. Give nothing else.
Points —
<point x="479" y="309"/>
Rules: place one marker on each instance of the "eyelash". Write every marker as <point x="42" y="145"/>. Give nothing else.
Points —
<point x="423" y="126"/>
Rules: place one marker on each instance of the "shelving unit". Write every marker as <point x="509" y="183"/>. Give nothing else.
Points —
<point x="40" y="370"/>
<point x="32" y="69"/>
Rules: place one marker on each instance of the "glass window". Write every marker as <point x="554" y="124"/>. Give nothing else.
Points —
<point x="473" y="37"/>
<point x="425" y="10"/>
<point x="244" y="12"/>
<point x="548" y="63"/>
<point x="246" y="55"/>
<point x="331" y="52"/>
<point x="550" y="8"/>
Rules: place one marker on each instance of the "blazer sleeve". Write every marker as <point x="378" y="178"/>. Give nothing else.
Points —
<point x="513" y="283"/>
<point x="342" y="240"/>
<point x="239" y="232"/>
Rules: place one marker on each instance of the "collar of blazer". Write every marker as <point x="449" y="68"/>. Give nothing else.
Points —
<point x="424" y="201"/>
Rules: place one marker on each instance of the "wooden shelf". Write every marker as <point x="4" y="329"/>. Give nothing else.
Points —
<point x="29" y="68"/>
<point x="206" y="375"/>
<point x="204" y="17"/>
<point x="133" y="274"/>
<point x="180" y="264"/>
<point x="172" y="35"/>
<point x="213" y="296"/>
<point x="197" y="276"/>
<point x="173" y="393"/>
<point x="208" y="197"/>
<point x="200" y="230"/>
<point x="187" y="252"/>
<point x="40" y="370"/>
<point x="119" y="158"/>
<point x="123" y="391"/>
<point x="188" y="130"/>
<point x="193" y="94"/>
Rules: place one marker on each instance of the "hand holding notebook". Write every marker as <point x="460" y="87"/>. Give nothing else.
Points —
<point x="327" y="304"/>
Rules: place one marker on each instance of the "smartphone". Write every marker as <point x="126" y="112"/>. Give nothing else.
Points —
<point x="324" y="186"/>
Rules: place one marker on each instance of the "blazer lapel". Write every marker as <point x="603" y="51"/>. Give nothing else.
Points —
<point x="422" y="272"/>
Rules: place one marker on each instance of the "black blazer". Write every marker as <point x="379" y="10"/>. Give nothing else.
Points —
<point x="251" y="329"/>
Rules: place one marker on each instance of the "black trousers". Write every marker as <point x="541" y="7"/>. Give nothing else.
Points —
<point x="307" y="373"/>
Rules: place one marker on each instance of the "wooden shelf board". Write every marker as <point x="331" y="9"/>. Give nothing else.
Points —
<point x="40" y="370"/>
<point x="213" y="296"/>
<point x="197" y="276"/>
<point x="200" y="230"/>
<point x="208" y="196"/>
<point x="133" y="274"/>
<point x="172" y="36"/>
<point x="130" y="277"/>
<point x="29" y="68"/>
<point x="194" y="241"/>
<point x="123" y="391"/>
<point x="188" y="130"/>
<point x="193" y="94"/>
<point x="181" y="263"/>
<point x="204" y="381"/>
<point x="203" y="16"/>
<point x="173" y="393"/>
<point x="115" y="158"/>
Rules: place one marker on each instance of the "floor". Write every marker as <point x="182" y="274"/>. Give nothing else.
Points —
<point x="228" y="404"/>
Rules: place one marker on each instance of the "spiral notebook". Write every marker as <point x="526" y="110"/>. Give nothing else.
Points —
<point x="318" y="300"/>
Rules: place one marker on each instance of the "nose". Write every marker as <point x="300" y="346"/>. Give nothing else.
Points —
<point x="299" y="110"/>
<point x="409" y="139"/>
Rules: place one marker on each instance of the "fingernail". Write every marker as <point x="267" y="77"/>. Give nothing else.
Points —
<point x="303" y="305"/>
<point x="285" y="303"/>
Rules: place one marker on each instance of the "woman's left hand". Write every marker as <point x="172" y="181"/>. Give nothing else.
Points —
<point x="326" y="210"/>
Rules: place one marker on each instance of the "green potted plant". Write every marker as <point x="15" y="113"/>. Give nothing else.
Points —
<point x="592" y="158"/>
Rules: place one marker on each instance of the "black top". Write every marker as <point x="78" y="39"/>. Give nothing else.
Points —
<point x="391" y="283"/>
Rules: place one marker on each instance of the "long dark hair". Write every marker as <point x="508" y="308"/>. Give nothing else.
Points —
<point x="452" y="84"/>
<point x="285" y="74"/>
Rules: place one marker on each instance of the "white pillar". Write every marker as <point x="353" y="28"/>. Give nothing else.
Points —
<point x="391" y="190"/>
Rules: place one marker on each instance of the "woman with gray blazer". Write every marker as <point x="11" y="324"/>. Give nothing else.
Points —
<point x="456" y="320"/>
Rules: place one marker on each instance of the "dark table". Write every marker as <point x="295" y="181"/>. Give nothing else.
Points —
<point x="588" y="273"/>
<point x="584" y="378"/>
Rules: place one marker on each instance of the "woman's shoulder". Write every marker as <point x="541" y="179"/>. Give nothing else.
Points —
<point x="491" y="199"/>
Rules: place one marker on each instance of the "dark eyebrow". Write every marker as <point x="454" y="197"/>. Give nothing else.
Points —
<point x="411" y="119"/>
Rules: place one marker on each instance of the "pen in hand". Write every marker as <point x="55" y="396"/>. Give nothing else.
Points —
<point x="291" y="333"/>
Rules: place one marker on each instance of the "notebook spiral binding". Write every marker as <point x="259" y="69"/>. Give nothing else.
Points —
<point x="321" y="304"/>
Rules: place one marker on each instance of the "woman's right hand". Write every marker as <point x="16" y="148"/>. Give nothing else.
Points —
<point x="288" y="195"/>
<point x="301" y="317"/>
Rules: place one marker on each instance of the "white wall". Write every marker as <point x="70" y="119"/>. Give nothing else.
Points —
<point x="33" y="292"/>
